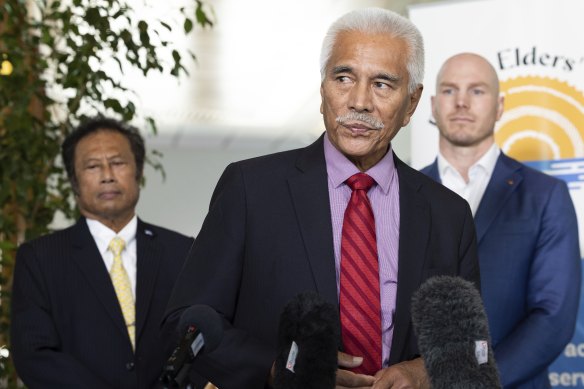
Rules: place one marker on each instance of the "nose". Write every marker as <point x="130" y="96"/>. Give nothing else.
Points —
<point x="462" y="100"/>
<point x="360" y="98"/>
<point x="107" y="173"/>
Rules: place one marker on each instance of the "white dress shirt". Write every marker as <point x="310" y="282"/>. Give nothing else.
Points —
<point x="479" y="175"/>
<point x="103" y="236"/>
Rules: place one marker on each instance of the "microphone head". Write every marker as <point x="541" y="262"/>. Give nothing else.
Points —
<point x="308" y="339"/>
<point x="453" y="334"/>
<point x="207" y="321"/>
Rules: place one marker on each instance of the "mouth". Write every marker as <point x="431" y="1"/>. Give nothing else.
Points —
<point x="357" y="127"/>
<point x="109" y="195"/>
<point x="462" y="119"/>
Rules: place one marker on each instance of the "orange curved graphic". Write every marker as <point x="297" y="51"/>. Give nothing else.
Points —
<point x="543" y="119"/>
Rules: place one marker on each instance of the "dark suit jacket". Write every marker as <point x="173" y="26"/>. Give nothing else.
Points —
<point x="67" y="327"/>
<point x="268" y="237"/>
<point x="529" y="256"/>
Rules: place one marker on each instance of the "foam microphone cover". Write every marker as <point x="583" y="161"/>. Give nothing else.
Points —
<point x="449" y="319"/>
<point x="314" y="326"/>
<point x="207" y="321"/>
<point x="200" y="331"/>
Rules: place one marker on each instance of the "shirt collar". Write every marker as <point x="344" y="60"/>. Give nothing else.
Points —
<point x="486" y="162"/>
<point x="340" y="168"/>
<point x="103" y="234"/>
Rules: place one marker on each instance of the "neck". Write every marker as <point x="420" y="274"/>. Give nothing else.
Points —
<point x="115" y="224"/>
<point x="463" y="157"/>
<point x="367" y="162"/>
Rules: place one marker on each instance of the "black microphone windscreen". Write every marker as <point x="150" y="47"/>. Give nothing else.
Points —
<point x="453" y="335"/>
<point x="308" y="340"/>
<point x="206" y="320"/>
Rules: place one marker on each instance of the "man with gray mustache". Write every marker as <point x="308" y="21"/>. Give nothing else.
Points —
<point x="372" y="121"/>
<point x="343" y="217"/>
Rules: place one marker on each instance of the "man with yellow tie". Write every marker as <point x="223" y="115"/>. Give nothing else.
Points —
<point x="88" y="300"/>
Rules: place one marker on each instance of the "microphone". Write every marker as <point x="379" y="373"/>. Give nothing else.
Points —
<point x="201" y="328"/>
<point x="453" y="335"/>
<point x="308" y="340"/>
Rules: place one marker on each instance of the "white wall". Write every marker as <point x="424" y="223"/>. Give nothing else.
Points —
<point x="180" y="202"/>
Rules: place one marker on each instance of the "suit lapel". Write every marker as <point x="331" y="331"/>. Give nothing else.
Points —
<point x="505" y="179"/>
<point x="413" y="239"/>
<point x="149" y="253"/>
<point x="309" y="191"/>
<point x="432" y="171"/>
<point x="87" y="257"/>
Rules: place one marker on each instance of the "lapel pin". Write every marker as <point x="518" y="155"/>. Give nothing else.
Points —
<point x="148" y="232"/>
<point x="510" y="182"/>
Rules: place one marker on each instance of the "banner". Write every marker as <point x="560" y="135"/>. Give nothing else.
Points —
<point x="537" y="48"/>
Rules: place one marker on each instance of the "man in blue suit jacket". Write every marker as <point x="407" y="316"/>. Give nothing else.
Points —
<point x="526" y="225"/>
<point x="68" y="329"/>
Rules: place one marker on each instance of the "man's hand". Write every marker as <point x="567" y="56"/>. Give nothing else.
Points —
<point x="348" y="379"/>
<point x="404" y="375"/>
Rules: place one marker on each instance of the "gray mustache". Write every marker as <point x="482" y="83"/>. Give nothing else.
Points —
<point x="360" y="117"/>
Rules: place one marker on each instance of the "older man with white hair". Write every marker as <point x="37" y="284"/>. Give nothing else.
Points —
<point x="343" y="217"/>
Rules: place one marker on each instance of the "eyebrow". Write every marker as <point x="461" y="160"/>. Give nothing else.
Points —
<point x="342" y="69"/>
<point x="446" y="83"/>
<point x="380" y="76"/>
<point x="472" y="85"/>
<point x="92" y="158"/>
<point x="387" y="77"/>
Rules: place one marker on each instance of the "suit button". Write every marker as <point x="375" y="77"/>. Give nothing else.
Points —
<point x="130" y="366"/>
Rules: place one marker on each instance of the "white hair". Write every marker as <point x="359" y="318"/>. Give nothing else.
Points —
<point x="376" y="21"/>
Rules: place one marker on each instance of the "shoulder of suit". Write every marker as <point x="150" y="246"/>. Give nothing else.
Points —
<point x="282" y="158"/>
<point x="269" y="160"/>
<point x="532" y="175"/>
<point x="51" y="245"/>
<point x="153" y="230"/>
<point x="413" y="175"/>
<point x="431" y="189"/>
<point x="54" y="236"/>
<point x="268" y="168"/>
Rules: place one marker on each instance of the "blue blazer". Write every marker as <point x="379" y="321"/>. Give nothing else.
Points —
<point x="529" y="258"/>
<point x="67" y="326"/>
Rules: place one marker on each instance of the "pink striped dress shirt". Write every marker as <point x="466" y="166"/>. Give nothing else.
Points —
<point x="384" y="198"/>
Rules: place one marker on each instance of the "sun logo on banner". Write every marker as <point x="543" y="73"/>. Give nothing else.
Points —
<point x="543" y="119"/>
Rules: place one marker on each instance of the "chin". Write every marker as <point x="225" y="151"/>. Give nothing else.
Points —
<point x="355" y="152"/>
<point x="356" y="142"/>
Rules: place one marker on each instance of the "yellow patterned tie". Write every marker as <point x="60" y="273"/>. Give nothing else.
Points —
<point x="123" y="288"/>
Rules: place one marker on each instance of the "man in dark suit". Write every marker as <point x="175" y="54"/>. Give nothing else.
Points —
<point x="275" y="224"/>
<point x="527" y="230"/>
<point x="72" y="325"/>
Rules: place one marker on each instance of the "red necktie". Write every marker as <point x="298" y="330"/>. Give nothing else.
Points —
<point x="359" y="299"/>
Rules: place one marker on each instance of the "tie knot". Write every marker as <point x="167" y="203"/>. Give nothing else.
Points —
<point x="117" y="245"/>
<point x="360" y="181"/>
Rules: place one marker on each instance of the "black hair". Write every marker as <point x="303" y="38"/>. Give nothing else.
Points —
<point x="94" y="125"/>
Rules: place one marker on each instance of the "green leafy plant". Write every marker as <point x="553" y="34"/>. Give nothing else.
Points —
<point x="56" y="69"/>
